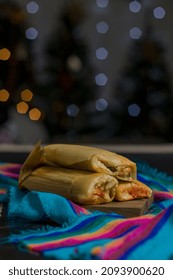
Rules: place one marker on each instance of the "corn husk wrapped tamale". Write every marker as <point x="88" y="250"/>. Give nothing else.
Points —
<point x="91" y="159"/>
<point x="82" y="158"/>
<point x="132" y="190"/>
<point x="82" y="187"/>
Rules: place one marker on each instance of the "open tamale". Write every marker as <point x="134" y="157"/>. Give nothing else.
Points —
<point x="135" y="189"/>
<point x="82" y="187"/>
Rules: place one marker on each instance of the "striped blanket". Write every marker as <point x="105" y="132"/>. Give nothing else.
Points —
<point x="81" y="234"/>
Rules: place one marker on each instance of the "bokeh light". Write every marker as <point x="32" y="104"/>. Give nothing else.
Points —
<point x="102" y="27"/>
<point x="135" y="33"/>
<point x="159" y="12"/>
<point x="135" y="6"/>
<point x="102" y="3"/>
<point x="31" y="33"/>
<point x="72" y="110"/>
<point x="101" y="104"/>
<point x="134" y="110"/>
<point x="4" y="95"/>
<point x="22" y="107"/>
<point x="32" y="7"/>
<point x="101" y="79"/>
<point x="4" y="54"/>
<point x="74" y="63"/>
<point x="26" y="95"/>
<point x="35" y="114"/>
<point x="101" y="53"/>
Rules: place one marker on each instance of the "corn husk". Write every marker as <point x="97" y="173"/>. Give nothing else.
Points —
<point x="81" y="158"/>
<point x="79" y="186"/>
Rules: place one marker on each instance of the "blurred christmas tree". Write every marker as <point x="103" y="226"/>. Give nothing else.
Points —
<point x="17" y="83"/>
<point x="143" y="96"/>
<point x="15" y="63"/>
<point x="71" y="85"/>
<point x="15" y="59"/>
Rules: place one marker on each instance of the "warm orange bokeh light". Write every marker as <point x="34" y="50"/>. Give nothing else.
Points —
<point x="4" y="54"/>
<point x="34" y="114"/>
<point x="26" y="95"/>
<point x="4" y="95"/>
<point x="22" y="107"/>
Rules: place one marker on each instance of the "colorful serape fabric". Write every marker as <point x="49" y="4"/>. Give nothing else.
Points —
<point x="81" y="234"/>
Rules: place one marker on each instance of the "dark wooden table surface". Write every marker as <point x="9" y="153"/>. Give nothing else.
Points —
<point x="9" y="251"/>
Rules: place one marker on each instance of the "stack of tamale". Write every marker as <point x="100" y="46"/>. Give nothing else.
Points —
<point x="85" y="175"/>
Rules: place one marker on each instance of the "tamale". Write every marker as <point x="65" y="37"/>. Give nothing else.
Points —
<point x="79" y="186"/>
<point x="81" y="158"/>
<point x="132" y="190"/>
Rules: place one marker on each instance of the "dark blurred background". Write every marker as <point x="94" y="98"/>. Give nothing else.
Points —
<point x="95" y="71"/>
